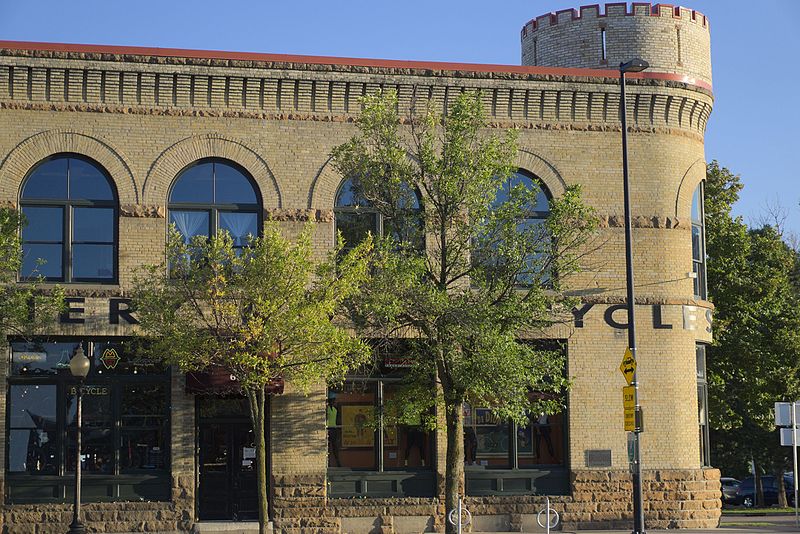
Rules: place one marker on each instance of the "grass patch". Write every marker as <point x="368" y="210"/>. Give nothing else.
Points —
<point x="757" y="511"/>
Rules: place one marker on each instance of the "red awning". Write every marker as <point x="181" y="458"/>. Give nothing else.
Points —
<point x="219" y="381"/>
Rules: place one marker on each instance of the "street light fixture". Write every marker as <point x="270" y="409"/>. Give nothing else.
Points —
<point x="634" y="65"/>
<point x="79" y="368"/>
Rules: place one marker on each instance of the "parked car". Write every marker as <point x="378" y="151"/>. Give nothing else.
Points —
<point x="730" y="488"/>
<point x="746" y="495"/>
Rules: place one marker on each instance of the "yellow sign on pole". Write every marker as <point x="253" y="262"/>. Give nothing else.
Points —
<point x="628" y="366"/>
<point x="629" y="405"/>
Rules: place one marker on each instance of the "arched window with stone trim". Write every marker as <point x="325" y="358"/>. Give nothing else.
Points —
<point x="71" y="209"/>
<point x="535" y="212"/>
<point x="213" y="195"/>
<point x="356" y="216"/>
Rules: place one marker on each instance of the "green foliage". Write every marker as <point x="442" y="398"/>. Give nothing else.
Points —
<point x="25" y="308"/>
<point x="263" y="312"/>
<point x="754" y="360"/>
<point x="487" y="280"/>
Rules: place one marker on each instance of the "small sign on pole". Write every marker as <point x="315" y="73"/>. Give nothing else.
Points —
<point x="628" y="366"/>
<point x="629" y="405"/>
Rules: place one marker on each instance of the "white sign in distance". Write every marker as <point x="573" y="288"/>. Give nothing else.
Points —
<point x="783" y="413"/>
<point x="786" y="437"/>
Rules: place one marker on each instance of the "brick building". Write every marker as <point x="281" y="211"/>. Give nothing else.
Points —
<point x="103" y="146"/>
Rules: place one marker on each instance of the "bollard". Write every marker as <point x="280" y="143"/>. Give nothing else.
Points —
<point x="456" y="520"/>
<point x="551" y="517"/>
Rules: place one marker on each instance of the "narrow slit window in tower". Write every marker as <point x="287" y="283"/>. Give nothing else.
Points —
<point x="603" y="51"/>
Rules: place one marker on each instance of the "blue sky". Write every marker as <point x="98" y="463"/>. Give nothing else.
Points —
<point x="755" y="49"/>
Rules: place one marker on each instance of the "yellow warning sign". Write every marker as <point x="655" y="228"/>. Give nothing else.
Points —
<point x="628" y="366"/>
<point x="629" y="405"/>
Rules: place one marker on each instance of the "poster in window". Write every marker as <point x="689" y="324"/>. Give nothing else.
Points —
<point x="356" y="429"/>
<point x="492" y="440"/>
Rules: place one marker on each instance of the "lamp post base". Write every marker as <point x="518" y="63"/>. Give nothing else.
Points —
<point x="76" y="527"/>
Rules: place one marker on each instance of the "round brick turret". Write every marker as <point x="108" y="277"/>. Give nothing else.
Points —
<point x="672" y="39"/>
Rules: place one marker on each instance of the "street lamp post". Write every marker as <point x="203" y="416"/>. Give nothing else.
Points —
<point x="634" y="65"/>
<point x="79" y="368"/>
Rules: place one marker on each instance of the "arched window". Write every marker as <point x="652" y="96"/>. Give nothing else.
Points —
<point x="212" y="195"/>
<point x="535" y="213"/>
<point x="356" y="216"/>
<point x="71" y="209"/>
<point x="699" y="243"/>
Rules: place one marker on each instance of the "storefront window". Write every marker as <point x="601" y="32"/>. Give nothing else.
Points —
<point x="355" y="425"/>
<point x="32" y="429"/>
<point x="125" y="421"/>
<point x="490" y="443"/>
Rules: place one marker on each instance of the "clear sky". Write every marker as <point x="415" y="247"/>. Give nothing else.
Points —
<point x="755" y="49"/>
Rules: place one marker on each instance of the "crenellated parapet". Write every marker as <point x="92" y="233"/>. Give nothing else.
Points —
<point x="672" y="39"/>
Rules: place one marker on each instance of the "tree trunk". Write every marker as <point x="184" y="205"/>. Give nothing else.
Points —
<point x="781" y="487"/>
<point x="454" y="468"/>
<point x="258" y="416"/>
<point x="758" y="498"/>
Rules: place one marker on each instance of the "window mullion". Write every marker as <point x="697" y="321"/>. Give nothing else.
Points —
<point x="66" y="248"/>
<point x="379" y="437"/>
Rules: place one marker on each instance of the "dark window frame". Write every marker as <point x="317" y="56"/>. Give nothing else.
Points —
<point x="702" y="404"/>
<point x="213" y="209"/>
<point x="699" y="264"/>
<point x="68" y="206"/>
<point x="59" y="484"/>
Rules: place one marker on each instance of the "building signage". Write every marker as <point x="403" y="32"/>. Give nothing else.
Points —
<point x="98" y="391"/>
<point x="119" y="310"/>
<point x="29" y="357"/>
<point x="110" y="358"/>
<point x="694" y="317"/>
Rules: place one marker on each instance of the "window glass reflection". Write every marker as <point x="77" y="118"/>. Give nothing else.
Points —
<point x="42" y="260"/>
<point x="47" y="181"/>
<point x="97" y="426"/>
<point x="231" y="186"/>
<point x="143" y="427"/>
<point x="33" y="430"/>
<point x="195" y="185"/>
<point x="87" y="182"/>
<point x="93" y="225"/>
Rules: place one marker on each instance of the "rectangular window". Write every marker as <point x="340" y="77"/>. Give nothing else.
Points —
<point x="702" y="405"/>
<point x="699" y="244"/>
<point x="125" y="423"/>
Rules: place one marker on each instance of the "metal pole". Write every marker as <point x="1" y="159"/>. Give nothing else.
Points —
<point x="638" y="509"/>
<point x="77" y="527"/>
<point x="794" y="459"/>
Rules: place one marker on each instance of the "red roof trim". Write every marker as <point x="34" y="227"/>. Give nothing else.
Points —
<point x="345" y="61"/>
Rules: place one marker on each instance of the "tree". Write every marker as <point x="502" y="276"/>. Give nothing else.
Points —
<point x="24" y="307"/>
<point x="754" y="360"/>
<point x="489" y="276"/>
<point x="262" y="313"/>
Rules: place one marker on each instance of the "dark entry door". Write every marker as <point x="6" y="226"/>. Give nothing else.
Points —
<point x="228" y="480"/>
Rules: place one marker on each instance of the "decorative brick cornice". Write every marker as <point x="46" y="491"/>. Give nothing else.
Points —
<point x="141" y="211"/>
<point x="641" y="221"/>
<point x="298" y="215"/>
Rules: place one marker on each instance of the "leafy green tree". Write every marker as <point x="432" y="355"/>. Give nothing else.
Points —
<point x="264" y="313"/>
<point x="753" y="362"/>
<point x="488" y="278"/>
<point x="25" y="308"/>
